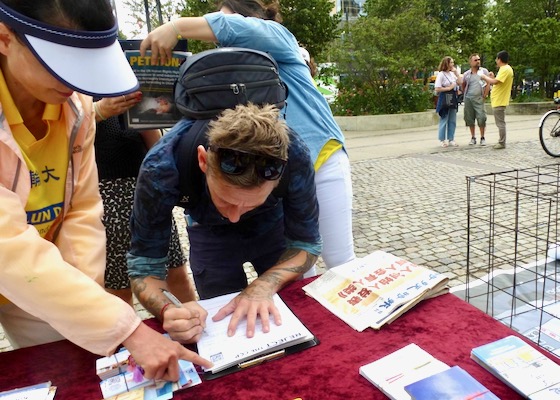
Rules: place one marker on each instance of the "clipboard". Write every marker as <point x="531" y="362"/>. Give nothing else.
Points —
<point x="262" y="359"/>
<point x="236" y="353"/>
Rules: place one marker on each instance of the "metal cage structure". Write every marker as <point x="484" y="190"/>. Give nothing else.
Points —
<point x="513" y="236"/>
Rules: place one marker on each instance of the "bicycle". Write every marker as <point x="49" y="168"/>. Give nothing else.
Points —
<point x="549" y="132"/>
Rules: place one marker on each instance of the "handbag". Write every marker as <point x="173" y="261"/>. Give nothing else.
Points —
<point x="449" y="99"/>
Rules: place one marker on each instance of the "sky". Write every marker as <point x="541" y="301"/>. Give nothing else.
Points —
<point x="124" y="20"/>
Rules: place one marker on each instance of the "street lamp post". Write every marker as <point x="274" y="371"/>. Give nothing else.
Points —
<point x="147" y="9"/>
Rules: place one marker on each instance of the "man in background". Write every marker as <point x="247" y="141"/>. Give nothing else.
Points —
<point x="501" y="94"/>
<point x="475" y="90"/>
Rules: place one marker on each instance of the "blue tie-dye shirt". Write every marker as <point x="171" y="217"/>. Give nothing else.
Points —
<point x="157" y="192"/>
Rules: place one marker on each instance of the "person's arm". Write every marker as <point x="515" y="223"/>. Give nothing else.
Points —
<point x="150" y="137"/>
<point x="487" y="87"/>
<point x="256" y="299"/>
<point x="184" y="323"/>
<point x="438" y="87"/>
<point x="159" y="356"/>
<point x="458" y="76"/>
<point x="230" y="30"/>
<point x="163" y="39"/>
<point x="464" y="83"/>
<point x="491" y="80"/>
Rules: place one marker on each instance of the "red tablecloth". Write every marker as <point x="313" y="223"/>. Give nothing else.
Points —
<point x="447" y="327"/>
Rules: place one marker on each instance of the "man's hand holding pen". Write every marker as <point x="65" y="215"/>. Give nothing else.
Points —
<point x="184" y="322"/>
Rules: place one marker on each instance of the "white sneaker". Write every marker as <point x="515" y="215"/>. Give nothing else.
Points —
<point x="443" y="143"/>
<point x="453" y="144"/>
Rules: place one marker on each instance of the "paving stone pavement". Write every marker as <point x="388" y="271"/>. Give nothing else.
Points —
<point x="410" y="194"/>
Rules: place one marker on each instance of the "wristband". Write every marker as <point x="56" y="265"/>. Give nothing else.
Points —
<point x="163" y="310"/>
<point x="179" y="36"/>
<point x="96" y="108"/>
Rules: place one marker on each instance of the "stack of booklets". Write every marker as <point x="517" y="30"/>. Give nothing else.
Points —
<point x="520" y="366"/>
<point x="40" y="391"/>
<point x="411" y="373"/>
<point x="375" y="290"/>
<point x="117" y="379"/>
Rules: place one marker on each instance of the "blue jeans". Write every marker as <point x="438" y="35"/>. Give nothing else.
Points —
<point x="447" y="125"/>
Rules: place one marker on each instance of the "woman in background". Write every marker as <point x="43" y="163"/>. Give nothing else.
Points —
<point x="447" y="81"/>
<point x="119" y="153"/>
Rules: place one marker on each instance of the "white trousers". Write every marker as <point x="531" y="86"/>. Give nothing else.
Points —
<point x="334" y="193"/>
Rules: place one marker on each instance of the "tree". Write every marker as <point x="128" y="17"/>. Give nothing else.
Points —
<point x="197" y="9"/>
<point x="384" y="60"/>
<point x="311" y="23"/>
<point x="528" y="30"/>
<point x="461" y="22"/>
<point x="159" y="11"/>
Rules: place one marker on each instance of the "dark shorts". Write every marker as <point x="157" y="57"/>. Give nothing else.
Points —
<point x="118" y="197"/>
<point x="217" y="257"/>
<point x="474" y="110"/>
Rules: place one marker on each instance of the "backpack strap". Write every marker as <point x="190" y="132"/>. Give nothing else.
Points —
<point x="191" y="178"/>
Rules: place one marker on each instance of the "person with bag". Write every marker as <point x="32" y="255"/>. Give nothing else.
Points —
<point x="251" y="24"/>
<point x="55" y="55"/>
<point x="233" y="165"/>
<point x="118" y="154"/>
<point x="447" y="81"/>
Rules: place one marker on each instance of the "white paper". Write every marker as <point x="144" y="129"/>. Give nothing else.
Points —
<point x="392" y="373"/>
<point x="224" y="351"/>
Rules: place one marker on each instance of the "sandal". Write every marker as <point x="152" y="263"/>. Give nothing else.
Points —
<point x="443" y="143"/>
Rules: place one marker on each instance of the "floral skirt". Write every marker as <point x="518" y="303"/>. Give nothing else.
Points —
<point x="118" y="199"/>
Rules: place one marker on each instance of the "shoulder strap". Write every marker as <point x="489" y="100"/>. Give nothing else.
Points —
<point x="191" y="178"/>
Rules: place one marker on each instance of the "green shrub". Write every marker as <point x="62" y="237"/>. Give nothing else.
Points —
<point x="363" y="99"/>
<point x="534" y="97"/>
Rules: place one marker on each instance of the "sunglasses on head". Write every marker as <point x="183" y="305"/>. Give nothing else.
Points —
<point x="236" y="162"/>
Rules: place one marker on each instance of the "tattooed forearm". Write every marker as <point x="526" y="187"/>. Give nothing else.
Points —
<point x="310" y="260"/>
<point x="288" y="255"/>
<point x="297" y="269"/>
<point x="138" y="286"/>
<point x="152" y="300"/>
<point x="276" y="276"/>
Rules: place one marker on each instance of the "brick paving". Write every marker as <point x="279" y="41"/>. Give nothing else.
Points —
<point x="414" y="205"/>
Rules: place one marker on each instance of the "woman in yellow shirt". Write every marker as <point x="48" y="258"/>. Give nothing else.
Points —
<point x="52" y="242"/>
